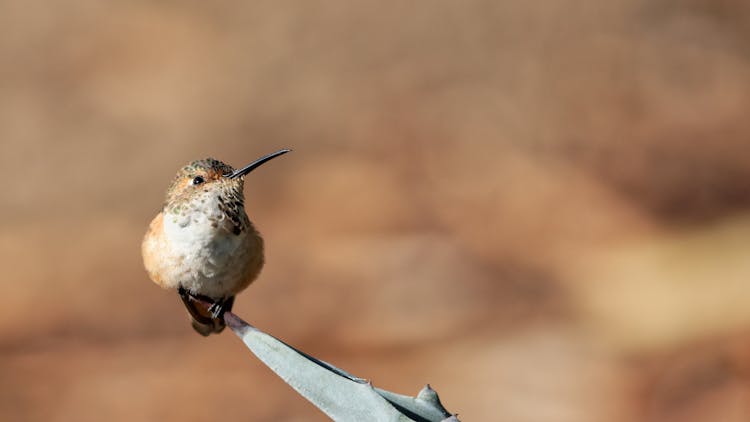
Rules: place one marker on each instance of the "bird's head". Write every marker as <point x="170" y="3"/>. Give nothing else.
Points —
<point x="203" y="176"/>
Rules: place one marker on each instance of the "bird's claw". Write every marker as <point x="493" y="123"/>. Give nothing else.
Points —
<point x="217" y="309"/>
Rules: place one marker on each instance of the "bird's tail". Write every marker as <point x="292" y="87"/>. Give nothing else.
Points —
<point x="202" y="321"/>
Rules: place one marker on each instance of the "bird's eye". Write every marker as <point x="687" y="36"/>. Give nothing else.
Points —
<point x="197" y="180"/>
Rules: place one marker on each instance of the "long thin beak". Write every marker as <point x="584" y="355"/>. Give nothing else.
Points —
<point x="255" y="164"/>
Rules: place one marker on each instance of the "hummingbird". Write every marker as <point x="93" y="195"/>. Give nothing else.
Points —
<point x="202" y="243"/>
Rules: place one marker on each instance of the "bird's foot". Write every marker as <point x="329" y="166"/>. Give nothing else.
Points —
<point x="217" y="309"/>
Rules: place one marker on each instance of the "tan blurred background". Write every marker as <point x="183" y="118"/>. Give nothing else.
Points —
<point x="543" y="210"/>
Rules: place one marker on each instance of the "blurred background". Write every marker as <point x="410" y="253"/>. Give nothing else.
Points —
<point x="543" y="210"/>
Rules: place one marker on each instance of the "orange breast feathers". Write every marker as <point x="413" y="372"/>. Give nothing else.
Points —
<point x="153" y="249"/>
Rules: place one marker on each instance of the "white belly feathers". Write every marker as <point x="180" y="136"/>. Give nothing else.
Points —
<point x="212" y="260"/>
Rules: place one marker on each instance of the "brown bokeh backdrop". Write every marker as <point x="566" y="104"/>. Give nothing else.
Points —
<point x="541" y="209"/>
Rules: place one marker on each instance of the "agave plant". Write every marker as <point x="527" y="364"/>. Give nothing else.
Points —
<point x="340" y="395"/>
